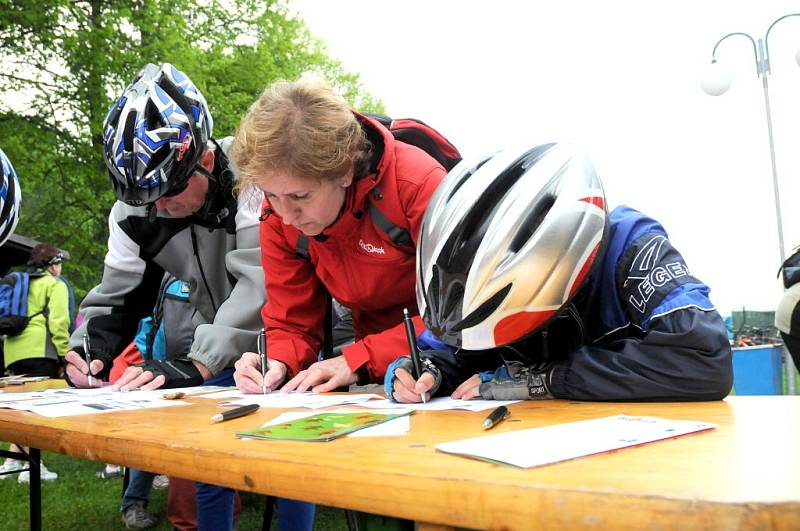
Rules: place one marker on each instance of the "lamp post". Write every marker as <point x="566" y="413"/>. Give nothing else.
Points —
<point x="717" y="82"/>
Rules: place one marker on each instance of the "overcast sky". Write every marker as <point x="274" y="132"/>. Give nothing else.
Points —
<point x="622" y="79"/>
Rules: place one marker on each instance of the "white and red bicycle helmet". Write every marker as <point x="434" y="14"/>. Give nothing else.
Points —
<point x="506" y="241"/>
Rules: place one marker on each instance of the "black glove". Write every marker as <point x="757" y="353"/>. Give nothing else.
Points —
<point x="177" y="373"/>
<point x="517" y="381"/>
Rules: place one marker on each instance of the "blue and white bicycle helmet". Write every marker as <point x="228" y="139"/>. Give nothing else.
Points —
<point x="506" y="242"/>
<point x="10" y="198"/>
<point x="154" y="135"/>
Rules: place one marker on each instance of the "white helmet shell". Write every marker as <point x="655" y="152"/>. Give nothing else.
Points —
<point x="506" y="241"/>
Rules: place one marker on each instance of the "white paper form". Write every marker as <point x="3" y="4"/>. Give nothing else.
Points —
<point x="441" y="404"/>
<point x="66" y="393"/>
<point x="66" y="402"/>
<point x="551" y="444"/>
<point x="296" y="400"/>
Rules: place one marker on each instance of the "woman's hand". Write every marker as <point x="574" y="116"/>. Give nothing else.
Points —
<point x="322" y="376"/>
<point x="248" y="374"/>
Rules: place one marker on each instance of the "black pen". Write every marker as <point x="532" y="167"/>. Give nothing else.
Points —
<point x="411" y="335"/>
<point x="262" y="351"/>
<point x="501" y="413"/>
<point x="88" y="357"/>
<point x="235" y="413"/>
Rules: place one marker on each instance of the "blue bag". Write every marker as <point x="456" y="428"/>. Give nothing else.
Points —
<point x="169" y="332"/>
<point x="14" y="304"/>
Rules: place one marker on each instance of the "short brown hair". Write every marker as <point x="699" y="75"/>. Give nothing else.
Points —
<point x="301" y="127"/>
<point x="44" y="254"/>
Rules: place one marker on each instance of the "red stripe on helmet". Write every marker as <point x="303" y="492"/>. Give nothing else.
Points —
<point x="596" y="200"/>
<point x="584" y="270"/>
<point x="515" y="327"/>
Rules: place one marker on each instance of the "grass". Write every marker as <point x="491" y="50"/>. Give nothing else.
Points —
<point x="78" y="500"/>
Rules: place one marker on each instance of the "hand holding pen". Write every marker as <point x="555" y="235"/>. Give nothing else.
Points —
<point x="411" y="335"/>
<point x="262" y="353"/>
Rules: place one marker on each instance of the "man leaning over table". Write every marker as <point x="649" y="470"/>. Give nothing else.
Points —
<point x="534" y="290"/>
<point x="176" y="212"/>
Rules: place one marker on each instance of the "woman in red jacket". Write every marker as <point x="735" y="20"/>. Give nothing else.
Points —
<point x="325" y="170"/>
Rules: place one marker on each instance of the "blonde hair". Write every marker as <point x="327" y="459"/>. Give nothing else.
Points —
<point x="300" y="127"/>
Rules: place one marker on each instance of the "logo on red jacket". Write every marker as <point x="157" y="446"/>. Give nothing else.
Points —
<point x="371" y="248"/>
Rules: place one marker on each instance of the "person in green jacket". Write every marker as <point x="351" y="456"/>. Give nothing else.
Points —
<point x="39" y="350"/>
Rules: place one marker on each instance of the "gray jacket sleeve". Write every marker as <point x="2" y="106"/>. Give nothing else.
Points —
<point x="235" y="326"/>
<point x="111" y="311"/>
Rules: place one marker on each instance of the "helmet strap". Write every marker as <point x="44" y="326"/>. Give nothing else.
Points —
<point x="215" y="208"/>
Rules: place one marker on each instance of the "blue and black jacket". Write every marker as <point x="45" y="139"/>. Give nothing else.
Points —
<point x="642" y="328"/>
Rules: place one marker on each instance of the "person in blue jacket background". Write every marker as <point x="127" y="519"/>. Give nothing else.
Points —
<point x="532" y="290"/>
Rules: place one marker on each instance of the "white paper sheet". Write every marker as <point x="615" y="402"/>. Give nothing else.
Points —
<point x="551" y="444"/>
<point x="66" y="402"/>
<point x="300" y="400"/>
<point x="441" y="404"/>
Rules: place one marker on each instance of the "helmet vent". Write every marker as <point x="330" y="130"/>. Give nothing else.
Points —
<point x="464" y="178"/>
<point x="467" y="237"/>
<point x="434" y="298"/>
<point x="484" y="310"/>
<point x="127" y="135"/>
<point x="177" y="96"/>
<point x="531" y="222"/>
<point x="455" y="295"/>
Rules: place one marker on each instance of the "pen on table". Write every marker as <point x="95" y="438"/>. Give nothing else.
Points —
<point x="235" y="413"/>
<point x="262" y="351"/>
<point x="411" y="335"/>
<point x="501" y="413"/>
<point x="88" y="358"/>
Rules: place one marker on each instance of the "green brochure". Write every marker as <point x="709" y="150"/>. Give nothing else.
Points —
<point x="320" y="427"/>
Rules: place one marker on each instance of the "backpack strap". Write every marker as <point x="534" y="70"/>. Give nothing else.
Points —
<point x="157" y="316"/>
<point x="397" y="234"/>
<point x="301" y="248"/>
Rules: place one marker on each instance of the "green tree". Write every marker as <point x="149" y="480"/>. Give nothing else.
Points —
<point x="64" y="62"/>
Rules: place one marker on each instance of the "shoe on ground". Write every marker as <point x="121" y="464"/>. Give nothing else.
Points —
<point x="160" y="482"/>
<point x="44" y="474"/>
<point x="10" y="466"/>
<point x="109" y="472"/>
<point x="136" y="516"/>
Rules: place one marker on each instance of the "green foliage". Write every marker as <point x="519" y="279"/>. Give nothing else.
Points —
<point x="64" y="62"/>
<point x="78" y="500"/>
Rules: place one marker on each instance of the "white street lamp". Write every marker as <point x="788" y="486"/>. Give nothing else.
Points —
<point x="717" y="81"/>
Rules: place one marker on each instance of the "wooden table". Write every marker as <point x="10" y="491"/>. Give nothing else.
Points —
<point x="743" y="475"/>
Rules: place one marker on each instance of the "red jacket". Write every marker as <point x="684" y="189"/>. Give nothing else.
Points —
<point x="357" y="263"/>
